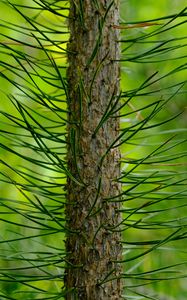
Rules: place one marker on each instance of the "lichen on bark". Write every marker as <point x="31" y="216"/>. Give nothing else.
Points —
<point x="93" y="243"/>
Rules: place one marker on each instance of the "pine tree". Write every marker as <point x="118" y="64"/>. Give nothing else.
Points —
<point x="93" y="75"/>
<point x="93" y="178"/>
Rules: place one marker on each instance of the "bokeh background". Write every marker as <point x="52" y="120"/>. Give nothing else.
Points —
<point x="134" y="73"/>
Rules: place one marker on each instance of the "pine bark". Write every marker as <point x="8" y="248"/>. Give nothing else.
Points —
<point x="93" y="241"/>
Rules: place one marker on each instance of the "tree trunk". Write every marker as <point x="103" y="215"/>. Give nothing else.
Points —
<point x="94" y="239"/>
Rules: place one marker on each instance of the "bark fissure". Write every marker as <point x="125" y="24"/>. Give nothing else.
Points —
<point x="93" y="81"/>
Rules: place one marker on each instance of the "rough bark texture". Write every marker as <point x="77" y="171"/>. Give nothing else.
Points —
<point x="94" y="243"/>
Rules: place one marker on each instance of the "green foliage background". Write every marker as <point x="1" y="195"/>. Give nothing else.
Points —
<point x="153" y="71"/>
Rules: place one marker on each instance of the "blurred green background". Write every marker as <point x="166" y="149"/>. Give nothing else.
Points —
<point x="133" y="74"/>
